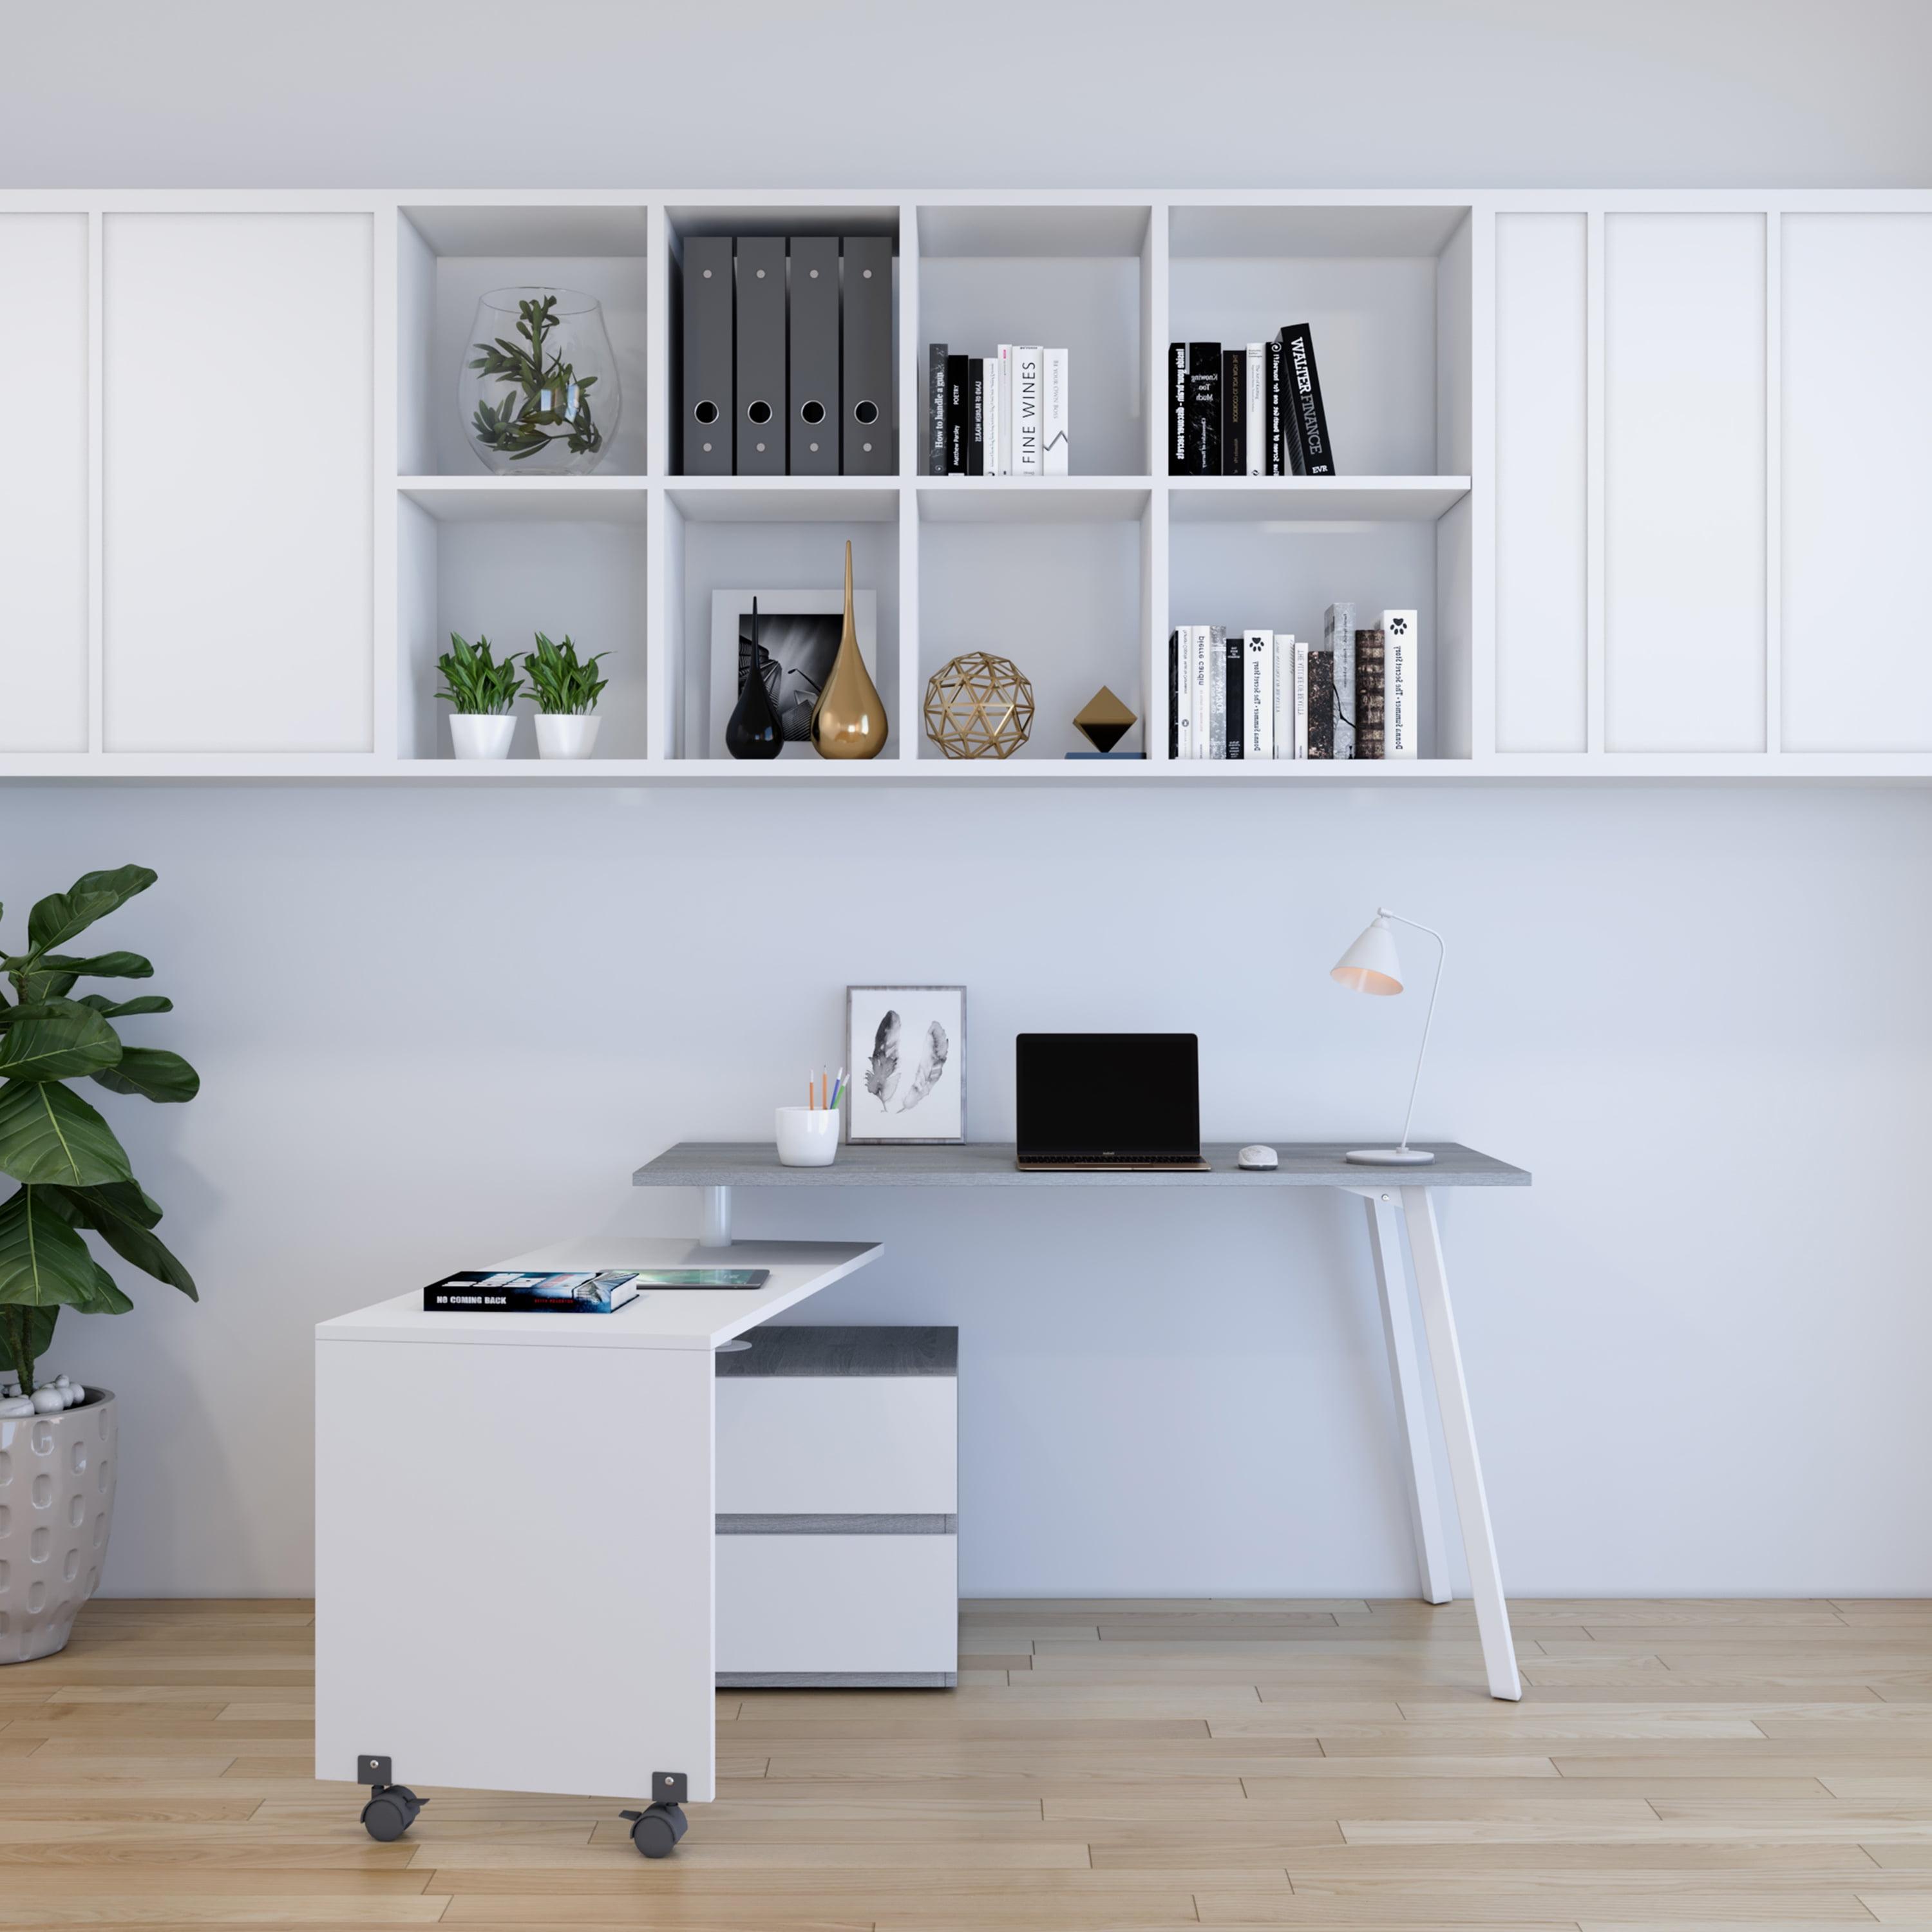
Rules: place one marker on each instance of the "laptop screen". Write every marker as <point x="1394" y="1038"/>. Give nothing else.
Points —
<point x="1083" y="1095"/>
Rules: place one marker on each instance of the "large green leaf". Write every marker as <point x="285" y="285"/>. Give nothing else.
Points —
<point x="124" y="1010"/>
<point x="50" y="976"/>
<point x="49" y="1135"/>
<point x="43" y="1263"/>
<point x="59" y="1040"/>
<point x="122" y="1215"/>
<point x="104" y="1294"/>
<point x="60" y="915"/>
<point x="152" y="1072"/>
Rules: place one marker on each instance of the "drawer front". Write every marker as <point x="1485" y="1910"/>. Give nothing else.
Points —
<point x="856" y="1605"/>
<point x="831" y="1445"/>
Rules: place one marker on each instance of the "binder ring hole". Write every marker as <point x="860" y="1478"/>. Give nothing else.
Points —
<point x="707" y="413"/>
<point x="865" y="413"/>
<point x="759" y="412"/>
<point x="813" y="413"/>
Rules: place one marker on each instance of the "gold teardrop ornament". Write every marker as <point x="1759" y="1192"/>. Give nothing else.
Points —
<point x="849" y="720"/>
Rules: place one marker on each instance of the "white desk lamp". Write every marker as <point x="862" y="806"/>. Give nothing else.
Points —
<point x="1371" y="965"/>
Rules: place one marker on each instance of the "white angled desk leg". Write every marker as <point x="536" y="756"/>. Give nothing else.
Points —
<point x="1465" y="1471"/>
<point x="1425" y="1508"/>
<point x="717" y="1217"/>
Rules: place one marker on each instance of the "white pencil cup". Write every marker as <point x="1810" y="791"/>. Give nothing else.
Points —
<point x="808" y="1136"/>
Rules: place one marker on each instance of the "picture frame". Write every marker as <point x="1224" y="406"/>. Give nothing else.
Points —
<point x="803" y="653"/>
<point x="895" y="1096"/>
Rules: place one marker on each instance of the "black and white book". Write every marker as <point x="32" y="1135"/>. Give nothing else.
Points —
<point x="1204" y="409"/>
<point x="1277" y="427"/>
<point x="1308" y="420"/>
<point x="957" y="369"/>
<point x="1177" y="409"/>
<point x="935" y="390"/>
<point x="532" y="1292"/>
<point x="1255" y="411"/>
<point x="1321" y="704"/>
<point x="1025" y="365"/>
<point x="1401" y="682"/>
<point x="1258" y="694"/>
<point x="1338" y="635"/>
<point x="1214" y="676"/>
<point x="1284" y="693"/>
<point x="1173" y="695"/>
<point x="1234" y="660"/>
<point x="1369" y="691"/>
<point x="1301" y="744"/>
<point x="976" y="415"/>
<point x="1056" y="449"/>
<point x="995" y="405"/>
<point x="1233" y="411"/>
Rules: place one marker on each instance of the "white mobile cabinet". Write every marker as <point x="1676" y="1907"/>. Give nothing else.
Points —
<point x="838" y="1509"/>
<point x="515" y="1520"/>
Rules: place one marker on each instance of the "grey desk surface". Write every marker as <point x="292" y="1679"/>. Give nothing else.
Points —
<point x="991" y="1164"/>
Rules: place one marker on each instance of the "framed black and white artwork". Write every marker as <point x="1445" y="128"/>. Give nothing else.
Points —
<point x="799" y="632"/>
<point x="905" y="1065"/>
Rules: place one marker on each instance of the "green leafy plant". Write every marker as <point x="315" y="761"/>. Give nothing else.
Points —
<point x="563" y="683"/>
<point x="552" y="403"/>
<point x="479" y="686"/>
<point x="73" y="1174"/>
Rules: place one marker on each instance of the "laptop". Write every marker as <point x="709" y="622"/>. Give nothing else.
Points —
<point x="1097" y="1100"/>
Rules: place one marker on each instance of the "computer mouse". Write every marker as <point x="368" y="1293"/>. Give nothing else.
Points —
<point x="1258" y="1156"/>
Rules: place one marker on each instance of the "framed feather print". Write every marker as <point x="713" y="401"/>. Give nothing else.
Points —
<point x="905" y="1061"/>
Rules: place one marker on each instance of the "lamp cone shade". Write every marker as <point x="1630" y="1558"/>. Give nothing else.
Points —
<point x="1371" y="965"/>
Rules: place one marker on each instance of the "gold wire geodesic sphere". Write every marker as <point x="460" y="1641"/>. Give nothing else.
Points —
<point x="979" y="707"/>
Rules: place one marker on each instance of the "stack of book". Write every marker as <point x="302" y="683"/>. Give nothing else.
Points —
<point x="786" y="365"/>
<point x="1251" y="411"/>
<point x="569" y="1291"/>
<point x="1268" y="695"/>
<point x="1003" y="414"/>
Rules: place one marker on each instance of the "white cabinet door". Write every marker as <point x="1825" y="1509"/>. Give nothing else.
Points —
<point x="43" y="617"/>
<point x="238" y="415"/>
<point x="1683" y="406"/>
<point x="1858" y="492"/>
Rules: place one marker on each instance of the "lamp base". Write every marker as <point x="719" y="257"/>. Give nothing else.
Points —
<point x="1401" y="1157"/>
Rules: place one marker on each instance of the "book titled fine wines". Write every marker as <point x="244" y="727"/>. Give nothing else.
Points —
<point x="1259" y="694"/>
<point x="1255" y="411"/>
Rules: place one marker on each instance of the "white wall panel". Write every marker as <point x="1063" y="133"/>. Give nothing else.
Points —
<point x="43" y="484"/>
<point x="237" y="405"/>
<point x="1542" y="474"/>
<point x="1684" y="482"/>
<point x="1857" y="396"/>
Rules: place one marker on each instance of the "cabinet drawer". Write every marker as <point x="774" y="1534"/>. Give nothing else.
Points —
<point x="808" y="1608"/>
<point x="835" y="1445"/>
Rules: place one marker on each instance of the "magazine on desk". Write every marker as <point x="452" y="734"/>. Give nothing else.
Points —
<point x="571" y="1291"/>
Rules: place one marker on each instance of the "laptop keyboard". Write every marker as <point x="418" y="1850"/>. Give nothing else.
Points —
<point x="1066" y="1157"/>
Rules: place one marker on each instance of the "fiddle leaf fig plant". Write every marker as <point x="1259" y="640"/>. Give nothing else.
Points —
<point x="73" y="1175"/>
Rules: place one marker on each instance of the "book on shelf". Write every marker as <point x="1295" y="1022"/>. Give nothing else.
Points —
<point x="1368" y="693"/>
<point x="1026" y="360"/>
<point x="1284" y="693"/>
<point x="1177" y="409"/>
<point x="1299" y="744"/>
<point x="1321" y="703"/>
<point x="976" y="415"/>
<point x="1204" y="409"/>
<point x="1210" y="703"/>
<point x="1400" y="685"/>
<point x="1234" y="415"/>
<point x="936" y="460"/>
<point x="1173" y="695"/>
<point x="1254" y="413"/>
<point x="957" y="373"/>
<point x="1257" y="693"/>
<point x="1308" y="422"/>
<point x="1056" y="421"/>
<point x="1277" y="428"/>
<point x="995" y="458"/>
<point x="1233" y="658"/>
<point x="1338" y="637"/>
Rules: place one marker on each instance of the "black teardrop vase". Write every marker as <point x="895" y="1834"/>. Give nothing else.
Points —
<point x="754" y="731"/>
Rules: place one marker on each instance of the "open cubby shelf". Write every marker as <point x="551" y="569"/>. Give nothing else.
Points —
<point x="1578" y="620"/>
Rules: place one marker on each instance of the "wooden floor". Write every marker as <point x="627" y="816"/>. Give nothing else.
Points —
<point x="1102" y="1764"/>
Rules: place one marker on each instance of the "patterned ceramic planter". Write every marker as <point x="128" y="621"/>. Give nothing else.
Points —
<point x="56" y="1504"/>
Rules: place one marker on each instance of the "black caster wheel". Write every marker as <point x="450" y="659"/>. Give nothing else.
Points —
<point x="392" y="1810"/>
<point x="655" y="1831"/>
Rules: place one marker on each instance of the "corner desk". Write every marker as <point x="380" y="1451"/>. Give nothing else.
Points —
<point x="716" y="1167"/>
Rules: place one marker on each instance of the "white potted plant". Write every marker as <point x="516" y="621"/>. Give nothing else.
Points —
<point x="480" y="692"/>
<point x="58" y="1450"/>
<point x="566" y="689"/>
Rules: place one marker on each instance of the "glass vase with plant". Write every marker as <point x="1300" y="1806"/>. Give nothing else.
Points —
<point x="566" y="689"/>
<point x="480" y="691"/>
<point x="539" y="396"/>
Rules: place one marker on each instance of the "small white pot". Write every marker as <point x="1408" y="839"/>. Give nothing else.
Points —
<point x="808" y="1136"/>
<point x="566" y="734"/>
<point x="487" y="736"/>
<point x="56" y="1507"/>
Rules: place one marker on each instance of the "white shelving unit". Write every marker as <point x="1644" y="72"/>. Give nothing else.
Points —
<point x="1648" y="462"/>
